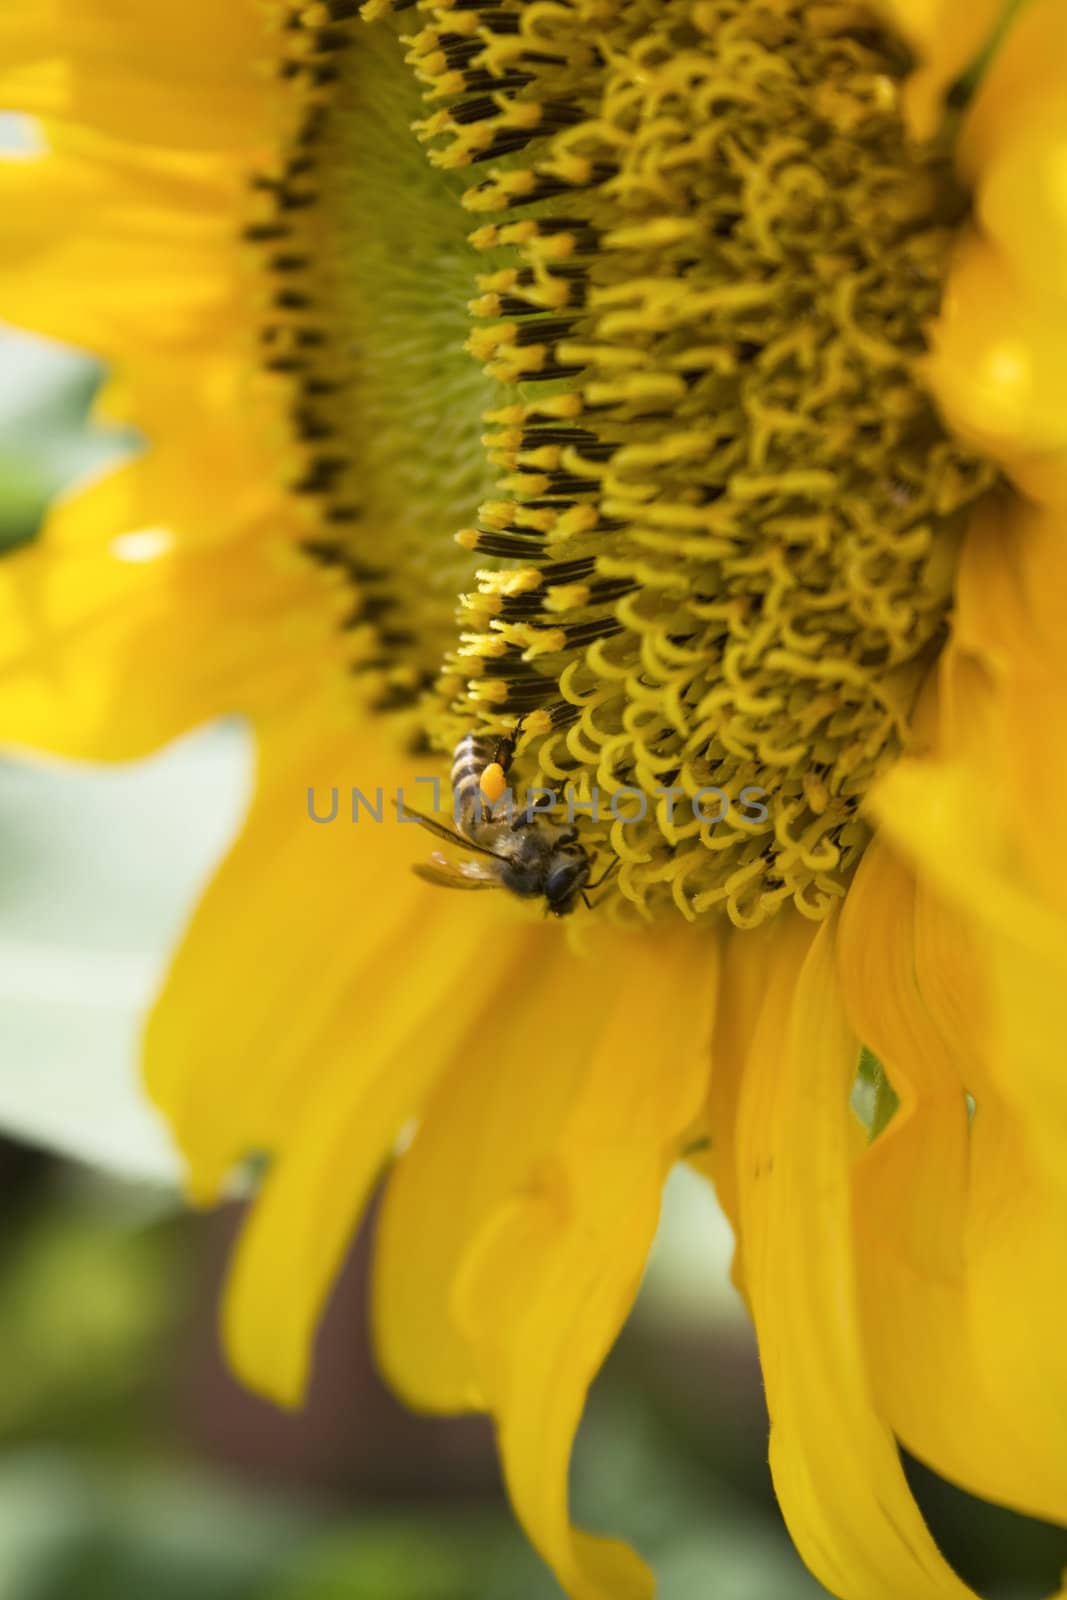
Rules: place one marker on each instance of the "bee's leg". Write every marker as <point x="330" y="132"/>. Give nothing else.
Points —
<point x="505" y="745"/>
<point x="604" y="876"/>
<point x="503" y="755"/>
<point x="503" y="752"/>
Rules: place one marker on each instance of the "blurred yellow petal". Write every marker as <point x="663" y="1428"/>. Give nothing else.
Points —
<point x="1000" y="344"/>
<point x="947" y="36"/>
<point x="999" y="367"/>
<point x="183" y="75"/>
<point x="1019" y="97"/>
<point x="835" y="1464"/>
<point x="121" y="251"/>
<point x="116" y="636"/>
<point x="549" y="1280"/>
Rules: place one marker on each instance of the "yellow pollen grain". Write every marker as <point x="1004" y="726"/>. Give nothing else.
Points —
<point x="493" y="782"/>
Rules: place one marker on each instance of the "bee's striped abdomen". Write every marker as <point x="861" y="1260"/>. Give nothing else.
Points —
<point x="474" y="753"/>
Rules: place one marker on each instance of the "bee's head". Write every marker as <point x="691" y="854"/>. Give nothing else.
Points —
<point x="566" y="875"/>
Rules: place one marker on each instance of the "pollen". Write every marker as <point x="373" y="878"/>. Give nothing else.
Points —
<point x="493" y="782"/>
<point x="622" y="439"/>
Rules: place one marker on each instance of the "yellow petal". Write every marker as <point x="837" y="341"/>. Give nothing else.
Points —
<point x="115" y="636"/>
<point x="744" y="982"/>
<point x="999" y="368"/>
<point x="835" y="1464"/>
<point x="1011" y="626"/>
<point x="315" y="942"/>
<point x="497" y="1112"/>
<point x="121" y="251"/>
<point x="549" y="1280"/>
<point x="946" y="36"/>
<point x="371" y="1076"/>
<point x="923" y="1202"/>
<point x="1017" y="1211"/>
<point x="1018" y="94"/>
<point x="1000" y="344"/>
<point x="924" y="807"/>
<point x="188" y="75"/>
<point x="1003" y="725"/>
<point x="982" y="821"/>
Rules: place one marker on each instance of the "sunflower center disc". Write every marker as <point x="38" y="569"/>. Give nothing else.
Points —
<point x="700" y="253"/>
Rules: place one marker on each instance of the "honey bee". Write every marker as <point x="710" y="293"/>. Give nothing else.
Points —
<point x="524" y="853"/>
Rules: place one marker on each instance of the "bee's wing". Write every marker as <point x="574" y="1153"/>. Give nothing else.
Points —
<point x="438" y="828"/>
<point x="448" y="876"/>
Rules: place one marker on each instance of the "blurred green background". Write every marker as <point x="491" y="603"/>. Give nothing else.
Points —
<point x="130" y="1464"/>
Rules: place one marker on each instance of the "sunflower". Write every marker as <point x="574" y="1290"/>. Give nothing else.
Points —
<point x="763" y="305"/>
